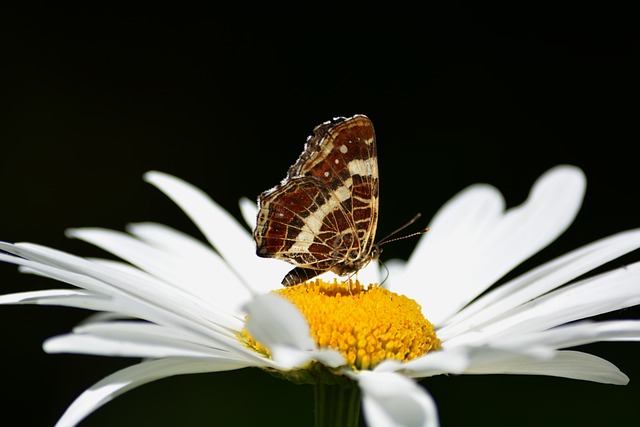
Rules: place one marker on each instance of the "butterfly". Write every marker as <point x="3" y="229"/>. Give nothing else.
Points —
<point x="323" y="216"/>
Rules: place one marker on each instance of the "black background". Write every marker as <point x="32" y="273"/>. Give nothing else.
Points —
<point x="91" y="99"/>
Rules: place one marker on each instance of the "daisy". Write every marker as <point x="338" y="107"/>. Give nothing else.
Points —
<point x="188" y="307"/>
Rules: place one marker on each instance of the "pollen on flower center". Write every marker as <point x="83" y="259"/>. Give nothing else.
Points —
<point x="366" y="324"/>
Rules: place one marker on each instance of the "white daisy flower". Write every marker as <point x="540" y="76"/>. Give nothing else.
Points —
<point x="187" y="307"/>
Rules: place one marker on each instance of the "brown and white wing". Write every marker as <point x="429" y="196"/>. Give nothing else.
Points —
<point x="300" y="223"/>
<point x="324" y="214"/>
<point x="342" y="154"/>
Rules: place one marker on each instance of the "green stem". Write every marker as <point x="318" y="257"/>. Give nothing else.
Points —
<point x="337" y="405"/>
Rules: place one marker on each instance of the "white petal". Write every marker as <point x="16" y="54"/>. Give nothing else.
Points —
<point x="473" y="231"/>
<point x="130" y="378"/>
<point x="249" y="210"/>
<point x="279" y="326"/>
<point x="596" y="295"/>
<point x="102" y="298"/>
<point x="200" y="261"/>
<point x="99" y="346"/>
<point x="578" y="333"/>
<point x="49" y="269"/>
<point x="389" y="399"/>
<point x="461" y="359"/>
<point x="138" y="339"/>
<point x="233" y="242"/>
<point x="540" y="281"/>
<point x="275" y="321"/>
<point x="565" y="364"/>
<point x="136" y="295"/>
<point x="433" y="363"/>
<point x="61" y="297"/>
<point x="138" y="253"/>
<point x="102" y="317"/>
<point x="465" y="218"/>
<point x="208" y="279"/>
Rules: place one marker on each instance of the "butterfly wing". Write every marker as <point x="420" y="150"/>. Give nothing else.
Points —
<point x="342" y="154"/>
<point x="324" y="214"/>
<point x="295" y="225"/>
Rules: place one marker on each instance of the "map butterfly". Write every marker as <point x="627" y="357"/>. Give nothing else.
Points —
<point x="323" y="215"/>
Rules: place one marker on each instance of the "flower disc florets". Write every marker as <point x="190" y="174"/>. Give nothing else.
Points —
<point x="365" y="324"/>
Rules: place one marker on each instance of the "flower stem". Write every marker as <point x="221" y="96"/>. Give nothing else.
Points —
<point x="337" y="405"/>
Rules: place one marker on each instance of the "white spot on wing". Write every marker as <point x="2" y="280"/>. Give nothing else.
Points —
<point x="343" y="149"/>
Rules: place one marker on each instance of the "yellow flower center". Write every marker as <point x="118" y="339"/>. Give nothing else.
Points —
<point x="365" y="324"/>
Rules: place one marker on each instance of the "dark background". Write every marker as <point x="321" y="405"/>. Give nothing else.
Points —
<point x="92" y="99"/>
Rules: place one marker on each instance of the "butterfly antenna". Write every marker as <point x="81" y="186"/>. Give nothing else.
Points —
<point x="387" y="238"/>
